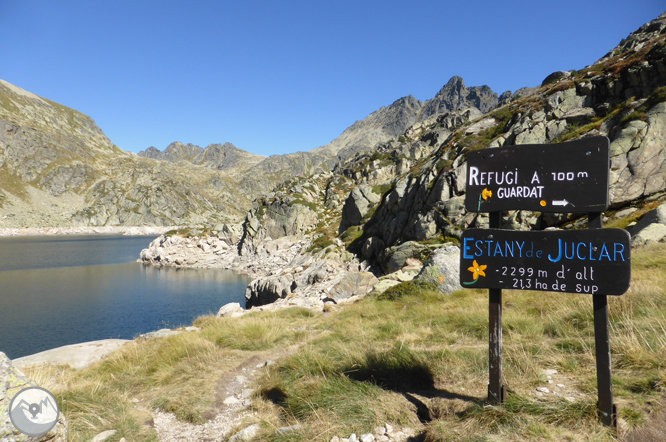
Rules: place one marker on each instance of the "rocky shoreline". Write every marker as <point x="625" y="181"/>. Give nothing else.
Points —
<point x="286" y="273"/>
<point x="283" y="273"/>
<point x="103" y="230"/>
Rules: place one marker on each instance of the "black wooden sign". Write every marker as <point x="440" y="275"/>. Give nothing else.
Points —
<point x="572" y="261"/>
<point x="566" y="177"/>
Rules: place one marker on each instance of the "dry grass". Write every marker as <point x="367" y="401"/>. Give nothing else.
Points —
<point x="417" y="359"/>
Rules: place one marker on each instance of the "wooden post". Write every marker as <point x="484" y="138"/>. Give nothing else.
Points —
<point x="496" y="391"/>
<point x="606" y="409"/>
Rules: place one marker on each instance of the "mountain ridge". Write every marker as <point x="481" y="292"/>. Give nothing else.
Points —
<point x="384" y="124"/>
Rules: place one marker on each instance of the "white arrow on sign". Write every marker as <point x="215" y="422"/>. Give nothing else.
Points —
<point x="561" y="203"/>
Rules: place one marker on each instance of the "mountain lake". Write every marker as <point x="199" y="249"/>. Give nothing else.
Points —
<point x="61" y="290"/>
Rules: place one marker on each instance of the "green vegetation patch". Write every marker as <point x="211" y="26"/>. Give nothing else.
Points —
<point x="382" y="189"/>
<point x="307" y="204"/>
<point x="409" y="288"/>
<point x="320" y="244"/>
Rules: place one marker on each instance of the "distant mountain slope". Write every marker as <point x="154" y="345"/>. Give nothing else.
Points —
<point x="57" y="168"/>
<point x="215" y="156"/>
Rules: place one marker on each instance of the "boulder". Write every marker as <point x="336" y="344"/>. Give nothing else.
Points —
<point x="442" y="269"/>
<point x="651" y="234"/>
<point x="353" y="284"/>
<point x="264" y="291"/>
<point x="230" y="310"/>
<point x="12" y="380"/>
<point x="394" y="258"/>
<point x="657" y="216"/>
<point x="555" y="76"/>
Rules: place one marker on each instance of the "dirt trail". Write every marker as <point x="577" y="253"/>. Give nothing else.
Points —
<point x="233" y="396"/>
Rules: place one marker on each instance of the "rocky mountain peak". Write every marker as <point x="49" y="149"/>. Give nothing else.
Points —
<point x="455" y="95"/>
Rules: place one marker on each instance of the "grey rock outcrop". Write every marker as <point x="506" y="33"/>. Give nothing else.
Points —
<point x="277" y="219"/>
<point x="442" y="268"/>
<point x="638" y="163"/>
<point x="650" y="229"/>
<point x="372" y="247"/>
<point x="361" y="199"/>
<point x="355" y="284"/>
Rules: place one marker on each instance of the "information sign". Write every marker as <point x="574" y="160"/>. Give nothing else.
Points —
<point x="571" y="261"/>
<point x="566" y="177"/>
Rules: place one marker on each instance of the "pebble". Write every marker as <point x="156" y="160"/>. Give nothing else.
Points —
<point x="289" y="429"/>
<point x="367" y="438"/>
<point x="101" y="437"/>
<point x="559" y="385"/>
<point x="543" y="390"/>
<point x="231" y="400"/>
<point x="550" y="371"/>
<point x="246" y="434"/>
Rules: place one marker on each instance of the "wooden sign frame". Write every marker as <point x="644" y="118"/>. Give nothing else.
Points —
<point x="479" y="199"/>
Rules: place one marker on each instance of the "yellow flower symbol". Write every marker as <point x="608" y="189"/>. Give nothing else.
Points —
<point x="477" y="270"/>
<point x="486" y="194"/>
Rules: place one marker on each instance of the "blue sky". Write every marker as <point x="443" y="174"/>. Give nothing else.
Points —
<point x="285" y="76"/>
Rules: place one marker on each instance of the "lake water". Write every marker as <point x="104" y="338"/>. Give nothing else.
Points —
<point x="60" y="290"/>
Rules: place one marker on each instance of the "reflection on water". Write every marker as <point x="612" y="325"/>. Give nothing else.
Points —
<point x="81" y="289"/>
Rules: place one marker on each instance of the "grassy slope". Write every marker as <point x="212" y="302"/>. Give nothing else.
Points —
<point x="419" y="355"/>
